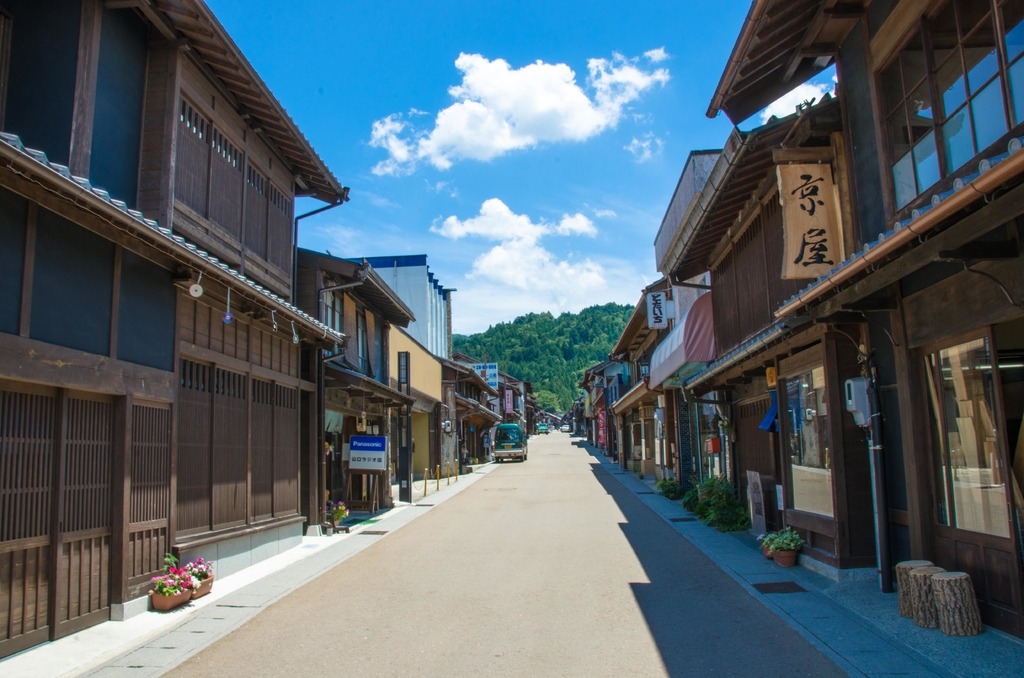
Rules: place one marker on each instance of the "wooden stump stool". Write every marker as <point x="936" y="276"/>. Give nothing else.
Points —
<point x="903" y="584"/>
<point x="955" y="604"/>
<point x="922" y="601"/>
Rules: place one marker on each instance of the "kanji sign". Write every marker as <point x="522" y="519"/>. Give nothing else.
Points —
<point x="810" y="220"/>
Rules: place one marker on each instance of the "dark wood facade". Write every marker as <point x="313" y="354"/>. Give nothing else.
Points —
<point x="136" y="418"/>
<point x="931" y="286"/>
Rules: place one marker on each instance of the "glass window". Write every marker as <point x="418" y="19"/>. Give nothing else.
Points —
<point x="807" y="443"/>
<point x="970" y="486"/>
<point x="364" y="351"/>
<point x="955" y="53"/>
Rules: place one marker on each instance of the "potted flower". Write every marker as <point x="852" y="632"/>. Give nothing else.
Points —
<point x="173" y="587"/>
<point x="202" y="571"/>
<point x="784" y="545"/>
<point x="338" y="512"/>
<point x="764" y="542"/>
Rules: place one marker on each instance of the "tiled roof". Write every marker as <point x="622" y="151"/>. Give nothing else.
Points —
<point x="175" y="243"/>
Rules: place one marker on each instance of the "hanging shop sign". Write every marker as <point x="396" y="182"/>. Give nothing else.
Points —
<point x="657" y="310"/>
<point x="810" y="220"/>
<point x="368" y="453"/>
<point x="489" y="373"/>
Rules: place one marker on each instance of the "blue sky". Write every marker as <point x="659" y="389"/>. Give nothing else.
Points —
<point x="528" y="148"/>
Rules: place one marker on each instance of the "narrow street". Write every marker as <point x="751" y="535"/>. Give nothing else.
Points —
<point x="542" y="568"/>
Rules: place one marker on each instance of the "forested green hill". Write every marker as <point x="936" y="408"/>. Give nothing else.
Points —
<point x="549" y="352"/>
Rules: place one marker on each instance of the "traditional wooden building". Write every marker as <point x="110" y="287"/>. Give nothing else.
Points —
<point x="469" y="396"/>
<point x="634" y="403"/>
<point x="153" y="394"/>
<point x="814" y="457"/>
<point x="927" y="301"/>
<point x="358" y="396"/>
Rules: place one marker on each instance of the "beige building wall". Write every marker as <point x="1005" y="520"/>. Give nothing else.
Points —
<point x="425" y="372"/>
<point x="420" y="442"/>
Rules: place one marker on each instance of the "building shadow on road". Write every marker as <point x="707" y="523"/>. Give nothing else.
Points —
<point x="700" y="619"/>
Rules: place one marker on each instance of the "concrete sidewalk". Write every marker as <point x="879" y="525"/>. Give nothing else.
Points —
<point x="852" y="622"/>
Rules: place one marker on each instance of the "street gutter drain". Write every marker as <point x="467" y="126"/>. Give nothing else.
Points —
<point x="372" y="533"/>
<point x="646" y="492"/>
<point x="423" y="504"/>
<point x="779" y="587"/>
<point x="682" y="520"/>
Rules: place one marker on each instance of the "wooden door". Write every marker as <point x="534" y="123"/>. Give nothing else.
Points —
<point x="55" y="513"/>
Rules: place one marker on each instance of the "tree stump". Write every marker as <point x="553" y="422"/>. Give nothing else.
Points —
<point x="955" y="604"/>
<point x="922" y="602"/>
<point x="903" y="585"/>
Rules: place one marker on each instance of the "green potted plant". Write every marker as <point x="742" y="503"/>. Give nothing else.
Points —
<point x="784" y="545"/>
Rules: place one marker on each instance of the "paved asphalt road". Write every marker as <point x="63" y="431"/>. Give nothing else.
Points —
<point x="543" y="568"/>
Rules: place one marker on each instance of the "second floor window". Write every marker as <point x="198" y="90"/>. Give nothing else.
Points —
<point x="956" y="88"/>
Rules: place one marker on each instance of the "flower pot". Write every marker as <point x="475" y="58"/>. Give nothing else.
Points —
<point x="328" y="529"/>
<point x="162" y="603"/>
<point x="205" y="586"/>
<point x="785" y="558"/>
<point x="767" y="551"/>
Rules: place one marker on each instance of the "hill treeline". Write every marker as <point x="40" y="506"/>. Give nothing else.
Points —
<point x="549" y="352"/>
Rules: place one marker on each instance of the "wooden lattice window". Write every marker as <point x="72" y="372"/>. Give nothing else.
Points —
<point x="191" y="170"/>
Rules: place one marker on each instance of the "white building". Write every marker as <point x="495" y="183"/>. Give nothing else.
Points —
<point x="411" y="279"/>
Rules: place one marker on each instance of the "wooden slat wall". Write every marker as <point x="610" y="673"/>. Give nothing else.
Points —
<point x="87" y="470"/>
<point x="193" y="467"/>
<point x="150" y="496"/>
<point x="255" y="212"/>
<point x="226" y="184"/>
<point x="193" y="158"/>
<point x="230" y="464"/>
<point x="262" y="449"/>
<point x="26" y="475"/>
<point x="202" y="326"/>
<point x="84" y="567"/>
<point x="279" y="227"/>
<point x="747" y="281"/>
<point x="286" y="451"/>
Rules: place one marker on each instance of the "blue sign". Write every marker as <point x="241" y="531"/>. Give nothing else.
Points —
<point x="368" y="453"/>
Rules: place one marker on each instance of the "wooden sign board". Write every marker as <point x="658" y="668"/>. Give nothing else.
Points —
<point x="810" y="220"/>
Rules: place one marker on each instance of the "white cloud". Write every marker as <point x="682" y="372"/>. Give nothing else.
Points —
<point x="519" y="261"/>
<point x="499" y="109"/>
<point x="787" y="103"/>
<point x="646" y="148"/>
<point x="657" y="55"/>
<point x="481" y="301"/>
<point x="497" y="222"/>
<point x="601" y="213"/>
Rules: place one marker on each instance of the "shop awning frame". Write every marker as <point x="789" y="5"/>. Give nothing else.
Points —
<point x="687" y="349"/>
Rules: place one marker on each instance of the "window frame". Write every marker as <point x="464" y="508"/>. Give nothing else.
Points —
<point x="920" y="33"/>
<point x="789" y="368"/>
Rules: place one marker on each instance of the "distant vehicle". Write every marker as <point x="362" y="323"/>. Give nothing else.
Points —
<point x="543" y="428"/>
<point x="566" y="428"/>
<point x="509" y="443"/>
